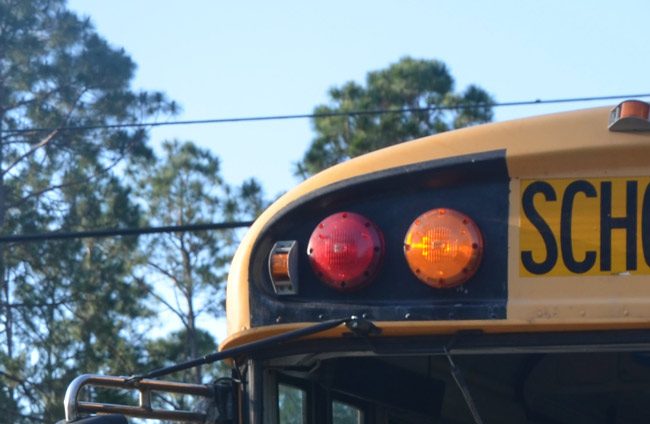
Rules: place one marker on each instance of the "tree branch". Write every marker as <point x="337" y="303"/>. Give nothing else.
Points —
<point x="47" y="140"/>
<point x="38" y="97"/>
<point x="29" y="152"/>
<point x="34" y="305"/>
<point x="169" y="275"/>
<point x="163" y="271"/>
<point x="95" y="176"/>
<point x="159" y="298"/>
<point x="118" y="354"/>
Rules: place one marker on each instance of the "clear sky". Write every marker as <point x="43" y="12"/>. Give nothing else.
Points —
<point x="222" y="59"/>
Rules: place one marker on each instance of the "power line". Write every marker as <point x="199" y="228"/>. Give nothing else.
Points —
<point x="325" y="115"/>
<point x="61" y="235"/>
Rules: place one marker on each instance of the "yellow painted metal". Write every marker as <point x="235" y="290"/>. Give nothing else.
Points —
<point x="557" y="148"/>
<point x="582" y="215"/>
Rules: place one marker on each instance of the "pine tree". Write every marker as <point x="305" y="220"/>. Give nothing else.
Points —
<point x="407" y="84"/>
<point x="185" y="271"/>
<point x="68" y="305"/>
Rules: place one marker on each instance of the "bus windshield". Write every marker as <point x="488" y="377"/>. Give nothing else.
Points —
<point x="578" y="387"/>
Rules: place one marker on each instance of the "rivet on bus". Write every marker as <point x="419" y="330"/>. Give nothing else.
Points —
<point x="443" y="248"/>
<point x="283" y="267"/>
<point x="630" y="115"/>
<point x="346" y="250"/>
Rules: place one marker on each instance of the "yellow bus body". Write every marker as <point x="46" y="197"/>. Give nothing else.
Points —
<point x="555" y="150"/>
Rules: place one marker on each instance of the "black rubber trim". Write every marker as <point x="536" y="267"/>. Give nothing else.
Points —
<point x="483" y="164"/>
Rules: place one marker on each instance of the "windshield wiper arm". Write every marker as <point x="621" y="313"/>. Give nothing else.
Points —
<point x="459" y="378"/>
<point x="354" y="323"/>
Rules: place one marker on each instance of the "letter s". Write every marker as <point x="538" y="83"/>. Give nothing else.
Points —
<point x="542" y="227"/>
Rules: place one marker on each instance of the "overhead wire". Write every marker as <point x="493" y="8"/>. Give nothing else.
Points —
<point x="62" y="235"/>
<point x="118" y="232"/>
<point x="325" y="114"/>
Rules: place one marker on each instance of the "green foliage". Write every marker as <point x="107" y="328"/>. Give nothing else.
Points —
<point x="184" y="187"/>
<point x="75" y="306"/>
<point x="172" y="349"/>
<point x="66" y="306"/>
<point x="407" y="84"/>
<point x="250" y="199"/>
<point x="343" y="413"/>
<point x="291" y="405"/>
<point x="185" y="272"/>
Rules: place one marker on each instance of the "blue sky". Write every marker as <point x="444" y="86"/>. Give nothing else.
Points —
<point x="227" y="59"/>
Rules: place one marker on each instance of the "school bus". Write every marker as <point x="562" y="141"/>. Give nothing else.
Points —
<point x="496" y="274"/>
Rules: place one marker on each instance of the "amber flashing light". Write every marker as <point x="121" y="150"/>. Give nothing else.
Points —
<point x="634" y="109"/>
<point x="630" y="115"/>
<point x="283" y="267"/>
<point x="443" y="248"/>
<point x="280" y="266"/>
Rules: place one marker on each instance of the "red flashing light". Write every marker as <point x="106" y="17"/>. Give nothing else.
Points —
<point x="346" y="250"/>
